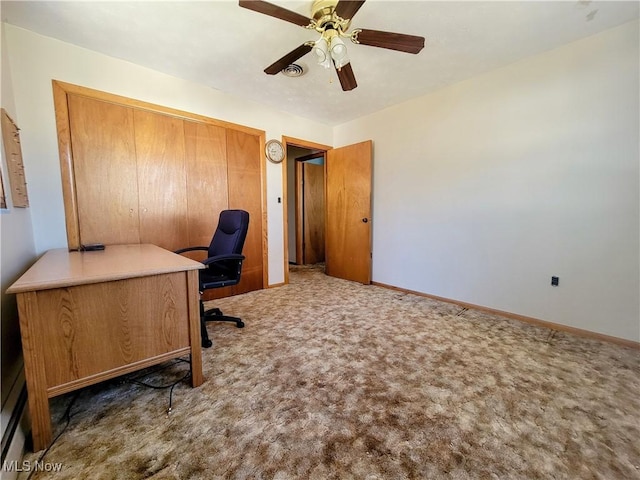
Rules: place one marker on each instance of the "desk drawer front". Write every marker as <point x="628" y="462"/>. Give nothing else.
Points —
<point x="95" y="328"/>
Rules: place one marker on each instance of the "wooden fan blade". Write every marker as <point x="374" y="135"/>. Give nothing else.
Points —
<point x="348" y="8"/>
<point x="390" y="40"/>
<point x="275" y="11"/>
<point x="288" y="59"/>
<point x="346" y="76"/>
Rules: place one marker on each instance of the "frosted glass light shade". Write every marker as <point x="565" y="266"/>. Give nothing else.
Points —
<point x="339" y="52"/>
<point x="321" y="51"/>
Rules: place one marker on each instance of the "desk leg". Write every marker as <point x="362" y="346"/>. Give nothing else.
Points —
<point x="193" y="294"/>
<point x="34" y="369"/>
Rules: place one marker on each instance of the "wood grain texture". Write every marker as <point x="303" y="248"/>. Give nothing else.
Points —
<point x="59" y="268"/>
<point x="15" y="165"/>
<point x="245" y="192"/>
<point x="65" y="152"/>
<point x="195" y="339"/>
<point x="69" y="88"/>
<point x="314" y="224"/>
<point x="299" y="212"/>
<point x="162" y="185"/>
<point x="207" y="192"/>
<point x="141" y="318"/>
<point x="179" y="162"/>
<point x="106" y="179"/>
<point x="33" y="350"/>
<point x="348" y="204"/>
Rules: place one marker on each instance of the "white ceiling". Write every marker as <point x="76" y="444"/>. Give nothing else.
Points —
<point x="227" y="47"/>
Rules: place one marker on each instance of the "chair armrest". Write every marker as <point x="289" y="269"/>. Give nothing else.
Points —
<point x="190" y="249"/>
<point x="221" y="258"/>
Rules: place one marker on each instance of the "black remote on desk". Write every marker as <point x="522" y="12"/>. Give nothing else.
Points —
<point x="91" y="247"/>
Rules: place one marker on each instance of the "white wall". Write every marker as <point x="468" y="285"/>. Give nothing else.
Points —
<point x="35" y="60"/>
<point x="17" y="254"/>
<point x="485" y="189"/>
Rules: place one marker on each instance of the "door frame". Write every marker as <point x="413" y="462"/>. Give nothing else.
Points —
<point x="294" y="142"/>
<point x="300" y="203"/>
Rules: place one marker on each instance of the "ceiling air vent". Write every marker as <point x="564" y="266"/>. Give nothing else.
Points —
<point x="293" y="70"/>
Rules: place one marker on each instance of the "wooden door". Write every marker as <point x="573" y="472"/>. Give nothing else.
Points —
<point x="244" y="176"/>
<point x="348" y="212"/>
<point x="104" y="164"/>
<point x="207" y="189"/>
<point x="162" y="185"/>
<point x="313" y="212"/>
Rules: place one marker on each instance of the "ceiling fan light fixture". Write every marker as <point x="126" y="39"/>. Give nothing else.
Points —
<point x="339" y="52"/>
<point x="321" y="51"/>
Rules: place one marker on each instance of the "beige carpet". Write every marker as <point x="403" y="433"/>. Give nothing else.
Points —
<point x="335" y="380"/>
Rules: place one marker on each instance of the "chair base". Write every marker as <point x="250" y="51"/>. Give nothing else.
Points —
<point x="215" y="315"/>
<point x="225" y="318"/>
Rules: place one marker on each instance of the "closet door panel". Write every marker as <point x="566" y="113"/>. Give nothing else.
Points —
<point x="134" y="172"/>
<point x="160" y="150"/>
<point x="245" y="192"/>
<point x="104" y="165"/>
<point x="207" y="191"/>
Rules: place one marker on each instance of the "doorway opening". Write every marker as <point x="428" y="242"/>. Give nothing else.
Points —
<point x="310" y="207"/>
<point x="305" y="203"/>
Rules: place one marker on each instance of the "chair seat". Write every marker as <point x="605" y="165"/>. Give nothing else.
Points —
<point x="212" y="280"/>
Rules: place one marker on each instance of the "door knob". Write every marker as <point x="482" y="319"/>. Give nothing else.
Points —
<point x="365" y="220"/>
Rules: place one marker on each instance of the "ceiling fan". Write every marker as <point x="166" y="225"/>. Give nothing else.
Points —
<point x="332" y="19"/>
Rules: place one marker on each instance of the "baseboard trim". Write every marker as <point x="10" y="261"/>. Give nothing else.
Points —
<point x="9" y="437"/>
<point x="522" y="318"/>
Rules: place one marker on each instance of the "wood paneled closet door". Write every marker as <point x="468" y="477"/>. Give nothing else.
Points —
<point x="243" y="174"/>
<point x="139" y="173"/>
<point x="208" y="194"/>
<point x="162" y="179"/>
<point x="106" y="178"/>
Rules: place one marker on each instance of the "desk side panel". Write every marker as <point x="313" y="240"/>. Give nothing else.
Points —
<point x="194" y="325"/>
<point x="100" y="327"/>
<point x="33" y="345"/>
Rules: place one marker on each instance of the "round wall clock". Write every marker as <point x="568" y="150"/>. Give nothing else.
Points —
<point x="274" y="150"/>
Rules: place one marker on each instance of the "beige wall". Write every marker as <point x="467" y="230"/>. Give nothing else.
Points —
<point x="499" y="182"/>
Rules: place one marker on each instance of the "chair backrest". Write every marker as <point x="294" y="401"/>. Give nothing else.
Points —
<point x="230" y="234"/>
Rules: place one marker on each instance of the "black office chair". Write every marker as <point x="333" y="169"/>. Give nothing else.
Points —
<point x="223" y="264"/>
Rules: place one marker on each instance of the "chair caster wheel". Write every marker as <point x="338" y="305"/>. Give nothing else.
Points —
<point x="207" y="343"/>
<point x="240" y="324"/>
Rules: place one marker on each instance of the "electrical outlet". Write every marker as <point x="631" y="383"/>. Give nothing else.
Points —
<point x="555" y="281"/>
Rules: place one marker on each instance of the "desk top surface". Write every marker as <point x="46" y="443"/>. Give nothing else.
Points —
<point x="62" y="268"/>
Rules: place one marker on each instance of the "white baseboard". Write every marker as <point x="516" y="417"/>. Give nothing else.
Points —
<point x="15" y="425"/>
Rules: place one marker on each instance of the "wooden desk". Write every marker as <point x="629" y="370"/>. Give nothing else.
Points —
<point x="86" y="317"/>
